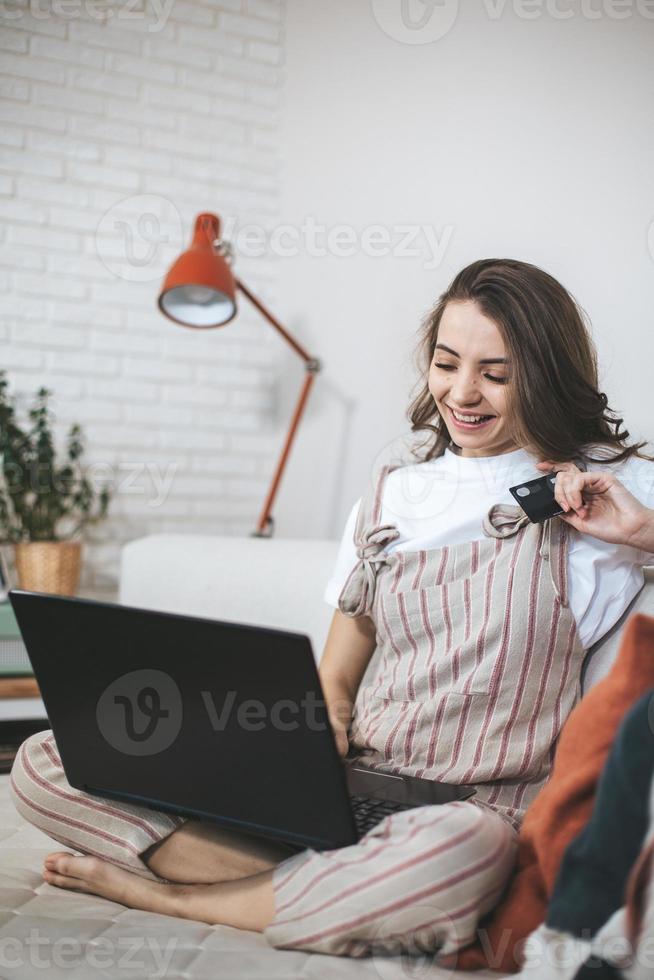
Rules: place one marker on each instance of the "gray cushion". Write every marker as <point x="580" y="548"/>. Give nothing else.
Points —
<point x="602" y="654"/>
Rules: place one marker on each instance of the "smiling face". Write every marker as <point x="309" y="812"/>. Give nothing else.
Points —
<point x="469" y="379"/>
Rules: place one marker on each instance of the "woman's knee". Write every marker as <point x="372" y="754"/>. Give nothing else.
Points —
<point x="480" y="842"/>
<point x="421" y="879"/>
<point x="489" y="830"/>
<point x="469" y="855"/>
<point x="36" y="768"/>
<point x="478" y="830"/>
<point x="115" y="832"/>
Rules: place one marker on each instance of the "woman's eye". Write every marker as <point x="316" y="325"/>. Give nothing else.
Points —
<point x="452" y="367"/>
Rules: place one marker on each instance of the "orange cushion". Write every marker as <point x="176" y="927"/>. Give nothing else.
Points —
<point x="564" y="805"/>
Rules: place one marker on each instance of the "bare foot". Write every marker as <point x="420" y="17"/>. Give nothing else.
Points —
<point x="247" y="903"/>
<point x="98" y="877"/>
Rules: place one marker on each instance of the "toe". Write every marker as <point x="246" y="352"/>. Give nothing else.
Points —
<point x="63" y="881"/>
<point x="74" y="867"/>
<point x="55" y="856"/>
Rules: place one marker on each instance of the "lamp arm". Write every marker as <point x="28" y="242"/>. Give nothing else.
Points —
<point x="265" y="523"/>
<point x="312" y="366"/>
<point x="273" y="322"/>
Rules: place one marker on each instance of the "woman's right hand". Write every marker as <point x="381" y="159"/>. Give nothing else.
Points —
<point x="597" y="503"/>
<point x="340" y="734"/>
<point x="349" y="647"/>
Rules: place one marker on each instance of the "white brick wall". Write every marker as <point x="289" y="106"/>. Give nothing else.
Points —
<point x="172" y="105"/>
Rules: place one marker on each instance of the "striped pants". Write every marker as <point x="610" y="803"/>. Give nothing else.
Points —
<point x="419" y="881"/>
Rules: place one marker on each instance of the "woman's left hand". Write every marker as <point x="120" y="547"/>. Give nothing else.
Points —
<point x="597" y="503"/>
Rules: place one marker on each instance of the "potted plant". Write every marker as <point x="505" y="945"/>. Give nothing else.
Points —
<point x="44" y="504"/>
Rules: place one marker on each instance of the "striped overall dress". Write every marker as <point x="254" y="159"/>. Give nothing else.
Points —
<point x="476" y="667"/>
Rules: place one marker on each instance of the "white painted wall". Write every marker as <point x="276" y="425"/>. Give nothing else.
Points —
<point x="526" y="133"/>
<point x="516" y="133"/>
<point x="119" y="122"/>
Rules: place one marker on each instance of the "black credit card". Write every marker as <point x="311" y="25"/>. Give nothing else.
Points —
<point x="536" y="497"/>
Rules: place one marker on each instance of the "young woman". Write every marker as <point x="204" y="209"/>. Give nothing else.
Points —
<point x="470" y="625"/>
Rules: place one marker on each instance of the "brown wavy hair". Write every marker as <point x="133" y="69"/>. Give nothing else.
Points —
<point x="554" y="398"/>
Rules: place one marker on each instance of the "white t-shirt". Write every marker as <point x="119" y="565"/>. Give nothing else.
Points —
<point x="444" y="500"/>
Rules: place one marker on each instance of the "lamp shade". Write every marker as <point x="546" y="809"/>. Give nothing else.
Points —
<point x="199" y="290"/>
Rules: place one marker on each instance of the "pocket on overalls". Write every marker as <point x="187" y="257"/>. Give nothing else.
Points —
<point x="437" y="638"/>
<point x="423" y="734"/>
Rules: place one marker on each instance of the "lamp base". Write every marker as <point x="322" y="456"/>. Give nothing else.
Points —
<point x="267" y="531"/>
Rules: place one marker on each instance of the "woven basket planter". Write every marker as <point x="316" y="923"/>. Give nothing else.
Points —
<point x="49" y="566"/>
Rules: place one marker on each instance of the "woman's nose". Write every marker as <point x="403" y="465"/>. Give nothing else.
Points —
<point x="464" y="389"/>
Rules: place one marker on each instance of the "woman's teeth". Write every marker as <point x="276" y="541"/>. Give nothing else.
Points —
<point x="470" y="421"/>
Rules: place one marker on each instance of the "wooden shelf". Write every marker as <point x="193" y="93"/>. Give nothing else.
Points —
<point x="19" y="687"/>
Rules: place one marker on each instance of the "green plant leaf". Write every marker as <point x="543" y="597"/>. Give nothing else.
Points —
<point x="36" y="492"/>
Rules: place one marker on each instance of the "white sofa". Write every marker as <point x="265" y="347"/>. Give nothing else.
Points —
<point x="269" y="582"/>
<point x="48" y="932"/>
<point x="262" y="581"/>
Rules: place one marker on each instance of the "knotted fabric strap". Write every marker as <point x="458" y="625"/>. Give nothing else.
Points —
<point x="358" y="593"/>
<point x="505" y="520"/>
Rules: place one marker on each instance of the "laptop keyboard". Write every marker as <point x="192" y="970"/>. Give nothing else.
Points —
<point x="368" y="812"/>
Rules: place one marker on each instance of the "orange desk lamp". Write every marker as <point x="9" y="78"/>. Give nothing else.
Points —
<point x="199" y="291"/>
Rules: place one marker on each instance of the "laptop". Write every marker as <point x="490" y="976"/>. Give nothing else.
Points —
<point x="212" y="720"/>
